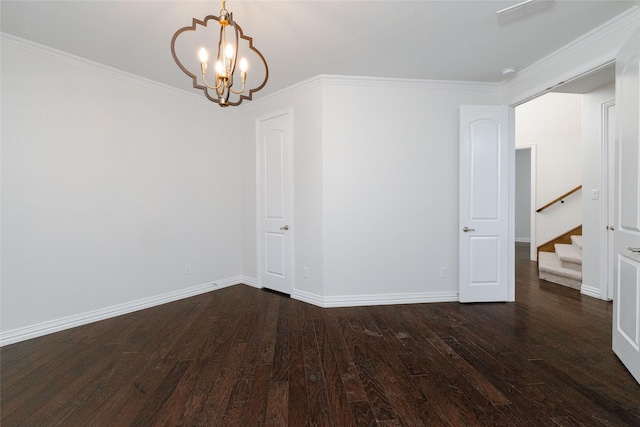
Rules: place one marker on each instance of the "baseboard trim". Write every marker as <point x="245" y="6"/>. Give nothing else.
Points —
<point x="308" y="297"/>
<point x="384" y="299"/>
<point x="590" y="291"/>
<point x="57" y="325"/>
<point x="250" y="281"/>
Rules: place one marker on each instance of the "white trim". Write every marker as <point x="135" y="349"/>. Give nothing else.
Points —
<point x="308" y="297"/>
<point x="590" y="291"/>
<point x="533" y="165"/>
<point x="410" y="83"/>
<point x="96" y="67"/>
<point x="281" y="94"/>
<point x="376" y="299"/>
<point x="533" y="250"/>
<point x="388" y="299"/>
<point x="387" y="82"/>
<point x="48" y="327"/>
<point x="511" y="238"/>
<point x="606" y="200"/>
<point x="250" y="281"/>
<point x="582" y="43"/>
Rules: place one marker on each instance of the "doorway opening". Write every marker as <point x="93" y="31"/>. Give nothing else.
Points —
<point x="563" y="142"/>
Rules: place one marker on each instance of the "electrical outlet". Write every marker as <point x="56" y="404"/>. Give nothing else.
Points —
<point x="443" y="272"/>
<point x="187" y="269"/>
<point x="305" y="271"/>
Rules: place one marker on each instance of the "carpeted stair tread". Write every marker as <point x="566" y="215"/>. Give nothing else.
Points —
<point x="568" y="253"/>
<point x="560" y="280"/>
<point x="577" y="242"/>
<point x="550" y="263"/>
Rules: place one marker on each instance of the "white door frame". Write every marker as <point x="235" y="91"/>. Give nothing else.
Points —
<point x="533" y="253"/>
<point x="608" y="193"/>
<point x="291" y="271"/>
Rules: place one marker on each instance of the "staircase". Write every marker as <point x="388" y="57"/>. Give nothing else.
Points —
<point x="564" y="266"/>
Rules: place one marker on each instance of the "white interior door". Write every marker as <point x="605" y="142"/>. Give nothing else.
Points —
<point x="274" y="201"/>
<point x="484" y="238"/>
<point x="626" y="298"/>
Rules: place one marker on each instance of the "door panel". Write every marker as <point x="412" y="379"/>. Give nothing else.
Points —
<point x="274" y="200"/>
<point x="626" y="301"/>
<point x="627" y="324"/>
<point x="484" y="251"/>
<point x="484" y="204"/>
<point x="273" y="174"/>
<point x="275" y="254"/>
<point x="484" y="163"/>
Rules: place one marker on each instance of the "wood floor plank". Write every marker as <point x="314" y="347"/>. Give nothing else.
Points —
<point x="318" y="405"/>
<point x="378" y="401"/>
<point x="298" y="406"/>
<point x="404" y="398"/>
<point x="237" y="406"/>
<point x="354" y="390"/>
<point x="147" y="415"/>
<point x="258" y="395"/>
<point x="339" y="407"/>
<point x="277" y="404"/>
<point x="363" y="414"/>
<point x="280" y="369"/>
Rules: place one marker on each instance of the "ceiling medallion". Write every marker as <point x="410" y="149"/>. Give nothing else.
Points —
<point x="217" y="82"/>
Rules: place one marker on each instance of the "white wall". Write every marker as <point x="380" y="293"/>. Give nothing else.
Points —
<point x="523" y="195"/>
<point x="376" y="186"/>
<point x="553" y="123"/>
<point x="391" y="187"/>
<point x="594" y="219"/>
<point x="110" y="185"/>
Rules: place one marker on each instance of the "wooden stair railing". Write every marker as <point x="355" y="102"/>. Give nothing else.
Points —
<point x="559" y="199"/>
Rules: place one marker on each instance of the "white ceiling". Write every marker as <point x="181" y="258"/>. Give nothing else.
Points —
<point x="442" y="40"/>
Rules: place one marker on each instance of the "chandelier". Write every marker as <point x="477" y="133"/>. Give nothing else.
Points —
<point x="217" y="82"/>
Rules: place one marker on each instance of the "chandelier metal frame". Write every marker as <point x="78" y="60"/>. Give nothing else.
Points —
<point x="222" y="91"/>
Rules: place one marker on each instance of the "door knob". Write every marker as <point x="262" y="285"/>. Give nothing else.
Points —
<point x="637" y="250"/>
<point x="467" y="229"/>
<point x="286" y="227"/>
<point x="610" y="227"/>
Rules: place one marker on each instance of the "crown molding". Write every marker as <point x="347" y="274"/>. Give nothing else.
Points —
<point x="321" y="80"/>
<point x="399" y="83"/>
<point x="303" y="86"/>
<point x="28" y="46"/>
<point x="627" y="18"/>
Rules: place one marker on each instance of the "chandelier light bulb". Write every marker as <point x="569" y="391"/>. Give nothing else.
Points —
<point x="244" y="65"/>
<point x="229" y="51"/>
<point x="204" y="55"/>
<point x="219" y="67"/>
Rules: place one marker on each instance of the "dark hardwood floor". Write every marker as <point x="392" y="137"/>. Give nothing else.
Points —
<point x="244" y="357"/>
